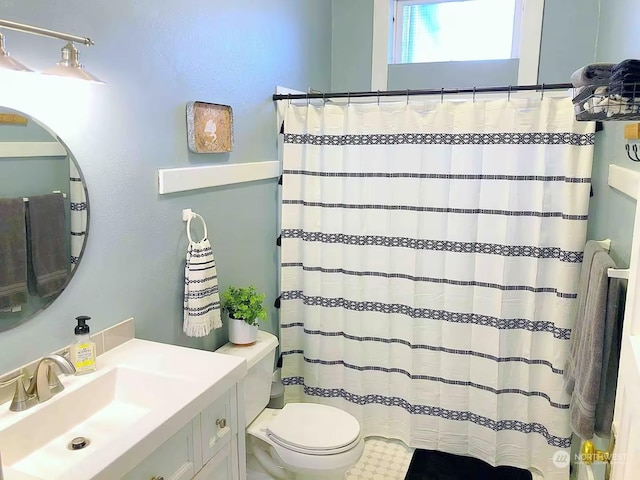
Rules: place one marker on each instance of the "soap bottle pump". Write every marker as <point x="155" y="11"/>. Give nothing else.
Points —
<point x="83" y="351"/>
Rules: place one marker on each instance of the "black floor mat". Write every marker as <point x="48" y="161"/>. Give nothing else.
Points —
<point x="433" y="465"/>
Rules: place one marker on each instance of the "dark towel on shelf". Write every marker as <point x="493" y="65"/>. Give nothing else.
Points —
<point x="625" y="79"/>
<point x="47" y="240"/>
<point x="593" y="74"/>
<point x="13" y="253"/>
<point x="583" y="370"/>
<point x="629" y="65"/>
<point x="627" y="85"/>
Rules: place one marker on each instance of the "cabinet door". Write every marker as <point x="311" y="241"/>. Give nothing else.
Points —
<point x="220" y="467"/>
<point x="218" y="426"/>
<point x="173" y="460"/>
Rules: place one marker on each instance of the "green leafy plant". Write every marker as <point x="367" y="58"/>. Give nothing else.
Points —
<point x="244" y="303"/>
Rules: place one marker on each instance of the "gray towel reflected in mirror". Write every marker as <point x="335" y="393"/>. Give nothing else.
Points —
<point x="46" y="233"/>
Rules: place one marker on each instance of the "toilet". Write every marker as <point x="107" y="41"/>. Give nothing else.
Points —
<point x="302" y="441"/>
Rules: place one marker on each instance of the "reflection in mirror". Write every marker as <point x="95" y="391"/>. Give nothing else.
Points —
<point x="44" y="217"/>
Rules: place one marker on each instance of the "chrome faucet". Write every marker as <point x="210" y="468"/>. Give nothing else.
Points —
<point x="45" y="383"/>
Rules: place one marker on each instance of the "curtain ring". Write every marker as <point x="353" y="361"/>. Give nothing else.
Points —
<point x="442" y="95"/>
<point x="542" y="93"/>
<point x="407" y="96"/>
<point x="474" y="95"/>
<point x="378" y="97"/>
<point x="509" y="94"/>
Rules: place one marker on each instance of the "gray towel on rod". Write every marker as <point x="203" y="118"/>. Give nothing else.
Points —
<point x="610" y="359"/>
<point x="583" y="370"/>
<point x="46" y="229"/>
<point x="13" y="253"/>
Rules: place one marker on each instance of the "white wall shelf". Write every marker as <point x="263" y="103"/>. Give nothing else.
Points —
<point x="31" y="149"/>
<point x="171" y="180"/>
<point x="624" y="180"/>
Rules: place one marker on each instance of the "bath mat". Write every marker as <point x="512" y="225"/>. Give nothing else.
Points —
<point x="433" y="465"/>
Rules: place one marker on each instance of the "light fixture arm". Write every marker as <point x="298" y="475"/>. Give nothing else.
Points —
<point x="23" y="27"/>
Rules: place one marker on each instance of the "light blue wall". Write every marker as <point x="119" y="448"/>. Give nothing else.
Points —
<point x="156" y="56"/>
<point x="568" y="42"/>
<point x="452" y="74"/>
<point x="352" y="44"/>
<point x="611" y="212"/>
<point x="569" y="31"/>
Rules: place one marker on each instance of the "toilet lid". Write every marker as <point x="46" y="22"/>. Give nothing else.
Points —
<point x="314" y="427"/>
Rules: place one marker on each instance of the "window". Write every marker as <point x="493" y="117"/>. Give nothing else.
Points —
<point x="456" y="30"/>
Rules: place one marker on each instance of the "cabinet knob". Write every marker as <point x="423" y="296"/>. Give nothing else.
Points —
<point x="221" y="422"/>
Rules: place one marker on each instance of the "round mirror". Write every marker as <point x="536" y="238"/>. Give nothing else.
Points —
<point x="44" y="217"/>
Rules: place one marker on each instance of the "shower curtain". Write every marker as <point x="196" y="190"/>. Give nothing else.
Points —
<point x="429" y="266"/>
<point x="78" y="208"/>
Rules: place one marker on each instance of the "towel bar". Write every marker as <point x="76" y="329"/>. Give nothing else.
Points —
<point x="618" y="273"/>
<point x="64" y="195"/>
<point x="605" y="244"/>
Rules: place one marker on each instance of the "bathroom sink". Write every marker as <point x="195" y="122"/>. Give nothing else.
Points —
<point x="141" y="394"/>
<point x="101" y="411"/>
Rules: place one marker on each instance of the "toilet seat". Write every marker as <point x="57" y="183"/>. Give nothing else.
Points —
<point x="299" y="447"/>
<point x="314" y="429"/>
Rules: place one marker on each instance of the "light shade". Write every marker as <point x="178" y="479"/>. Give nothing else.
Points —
<point x="70" y="67"/>
<point x="8" y="63"/>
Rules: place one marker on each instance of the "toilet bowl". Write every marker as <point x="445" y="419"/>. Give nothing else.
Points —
<point x="296" y="444"/>
<point x="302" y="441"/>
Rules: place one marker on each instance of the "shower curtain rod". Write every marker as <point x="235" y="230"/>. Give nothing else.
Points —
<point x="405" y="93"/>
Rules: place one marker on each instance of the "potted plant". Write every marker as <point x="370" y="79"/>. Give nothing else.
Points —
<point x="244" y="307"/>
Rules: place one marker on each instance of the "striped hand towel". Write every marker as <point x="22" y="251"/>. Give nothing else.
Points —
<point x="201" y="298"/>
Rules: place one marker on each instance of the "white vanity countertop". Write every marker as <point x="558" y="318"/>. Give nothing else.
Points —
<point x="159" y="387"/>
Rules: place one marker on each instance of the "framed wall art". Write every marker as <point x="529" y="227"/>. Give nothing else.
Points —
<point x="209" y="127"/>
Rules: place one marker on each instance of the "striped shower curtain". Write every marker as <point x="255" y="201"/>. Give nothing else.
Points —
<point x="79" y="210"/>
<point x="430" y="258"/>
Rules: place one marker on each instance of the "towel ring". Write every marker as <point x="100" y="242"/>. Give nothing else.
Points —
<point x="204" y="225"/>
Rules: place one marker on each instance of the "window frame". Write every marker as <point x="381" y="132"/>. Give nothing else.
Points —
<point x="398" y="7"/>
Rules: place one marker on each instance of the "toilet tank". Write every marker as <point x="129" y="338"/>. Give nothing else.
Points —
<point x="260" y="364"/>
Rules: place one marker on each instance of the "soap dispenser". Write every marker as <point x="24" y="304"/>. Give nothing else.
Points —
<point x="83" y="350"/>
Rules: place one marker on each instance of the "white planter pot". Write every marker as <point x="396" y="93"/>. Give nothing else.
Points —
<point x="241" y="333"/>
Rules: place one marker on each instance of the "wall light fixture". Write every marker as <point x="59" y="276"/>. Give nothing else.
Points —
<point x="69" y="66"/>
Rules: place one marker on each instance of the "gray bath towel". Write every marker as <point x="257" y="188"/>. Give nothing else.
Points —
<point x="47" y="233"/>
<point x="13" y="253"/>
<point x="593" y="74"/>
<point x="584" y="368"/>
<point x="610" y="359"/>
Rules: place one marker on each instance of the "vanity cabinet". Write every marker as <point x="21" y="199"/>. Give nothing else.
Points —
<point x="207" y="448"/>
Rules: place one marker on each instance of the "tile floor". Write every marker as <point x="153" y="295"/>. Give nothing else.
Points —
<point x="382" y="460"/>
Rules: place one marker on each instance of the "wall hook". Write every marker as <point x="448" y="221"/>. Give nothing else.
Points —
<point x="635" y="157"/>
